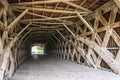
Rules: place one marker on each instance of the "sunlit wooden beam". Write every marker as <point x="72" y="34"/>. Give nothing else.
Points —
<point x="117" y="2"/>
<point x="49" y="10"/>
<point x="40" y="2"/>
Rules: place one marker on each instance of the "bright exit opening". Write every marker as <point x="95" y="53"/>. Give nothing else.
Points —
<point x="38" y="49"/>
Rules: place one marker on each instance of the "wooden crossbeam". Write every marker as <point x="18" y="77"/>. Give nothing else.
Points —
<point x="104" y="8"/>
<point x="42" y="32"/>
<point x="117" y="2"/>
<point x="27" y="38"/>
<point x="39" y="2"/>
<point x="61" y="34"/>
<point x="85" y="22"/>
<point x="56" y="38"/>
<point x="69" y="30"/>
<point x="1" y="26"/>
<point x="115" y="25"/>
<point x="45" y="23"/>
<point x="33" y="20"/>
<point x="5" y="19"/>
<point x="17" y="19"/>
<point x="4" y="3"/>
<point x="42" y="19"/>
<point x="116" y="37"/>
<point x="108" y="31"/>
<point x="49" y="10"/>
<point x="24" y="36"/>
<point x="52" y="40"/>
<point x="24" y="29"/>
<point x="76" y="6"/>
<point x="103" y="53"/>
<point x="48" y="18"/>
<point x="83" y="53"/>
<point x="85" y="56"/>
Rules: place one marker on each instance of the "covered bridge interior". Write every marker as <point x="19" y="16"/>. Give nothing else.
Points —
<point x="82" y="33"/>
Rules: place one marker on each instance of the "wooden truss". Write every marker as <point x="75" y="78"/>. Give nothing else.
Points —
<point x="75" y="32"/>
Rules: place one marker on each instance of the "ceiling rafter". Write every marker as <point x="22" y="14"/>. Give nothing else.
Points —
<point x="45" y="17"/>
<point x="50" y="10"/>
<point x="54" y="8"/>
<point x="40" y="2"/>
<point x="49" y="18"/>
<point x="76" y="6"/>
<point x="31" y="20"/>
<point x="117" y="2"/>
<point x="53" y="1"/>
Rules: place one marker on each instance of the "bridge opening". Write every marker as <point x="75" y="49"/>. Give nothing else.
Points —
<point x="37" y="49"/>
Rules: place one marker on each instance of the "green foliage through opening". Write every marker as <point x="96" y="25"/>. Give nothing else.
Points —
<point x="38" y="50"/>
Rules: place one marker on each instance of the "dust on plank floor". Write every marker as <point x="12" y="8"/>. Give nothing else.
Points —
<point x="50" y="68"/>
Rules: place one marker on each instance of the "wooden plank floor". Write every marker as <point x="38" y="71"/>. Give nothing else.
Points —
<point x="49" y="68"/>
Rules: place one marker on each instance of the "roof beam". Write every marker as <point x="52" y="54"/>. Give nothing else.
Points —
<point x="39" y="2"/>
<point x="76" y="6"/>
<point x="36" y="22"/>
<point x="69" y="30"/>
<point x="17" y="19"/>
<point x="117" y="3"/>
<point x="61" y="34"/>
<point x="85" y="22"/>
<point x="50" y="18"/>
<point x="56" y="38"/>
<point x="52" y="40"/>
<point x="24" y="29"/>
<point x="49" y="10"/>
<point x="25" y="35"/>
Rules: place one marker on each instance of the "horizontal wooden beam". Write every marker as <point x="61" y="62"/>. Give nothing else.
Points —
<point x="41" y="32"/>
<point x="41" y="20"/>
<point x="115" y="25"/>
<point x="46" y="23"/>
<point x="49" y="18"/>
<point x="41" y="26"/>
<point x="39" y="2"/>
<point x="49" y="10"/>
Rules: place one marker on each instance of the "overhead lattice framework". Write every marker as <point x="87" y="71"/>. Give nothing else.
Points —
<point x="51" y="14"/>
